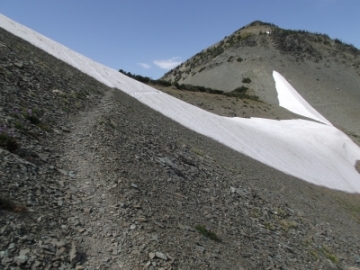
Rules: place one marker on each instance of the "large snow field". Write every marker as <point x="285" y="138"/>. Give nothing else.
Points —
<point x="314" y="151"/>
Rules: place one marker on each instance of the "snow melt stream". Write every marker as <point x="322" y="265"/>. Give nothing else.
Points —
<point x="315" y="152"/>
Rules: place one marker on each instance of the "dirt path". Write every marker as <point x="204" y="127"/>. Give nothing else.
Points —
<point x="89" y="201"/>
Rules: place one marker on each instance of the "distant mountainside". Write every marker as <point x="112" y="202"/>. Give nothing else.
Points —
<point x="325" y="71"/>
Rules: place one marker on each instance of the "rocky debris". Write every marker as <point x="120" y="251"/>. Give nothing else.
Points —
<point x="112" y="184"/>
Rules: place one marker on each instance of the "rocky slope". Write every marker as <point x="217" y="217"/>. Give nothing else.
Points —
<point x="324" y="71"/>
<point x="92" y="179"/>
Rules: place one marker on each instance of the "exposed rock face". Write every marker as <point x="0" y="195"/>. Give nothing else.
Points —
<point x="100" y="181"/>
<point x="324" y="71"/>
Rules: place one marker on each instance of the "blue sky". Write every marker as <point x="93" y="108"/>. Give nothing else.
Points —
<point x="148" y="37"/>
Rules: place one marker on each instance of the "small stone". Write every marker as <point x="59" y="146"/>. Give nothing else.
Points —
<point x="21" y="259"/>
<point x="24" y="252"/>
<point x="155" y="237"/>
<point x="64" y="129"/>
<point x="43" y="157"/>
<point x="49" y="247"/>
<point x="12" y="246"/>
<point x="181" y="227"/>
<point x="200" y="249"/>
<point x="4" y="254"/>
<point x="132" y="227"/>
<point x="19" y="64"/>
<point x="60" y="251"/>
<point x="6" y="260"/>
<point x="35" y="265"/>
<point x="147" y="265"/>
<point x="63" y="172"/>
<point x="58" y="243"/>
<point x="73" y="254"/>
<point x="161" y="255"/>
<point x="151" y="255"/>
<point x="134" y="185"/>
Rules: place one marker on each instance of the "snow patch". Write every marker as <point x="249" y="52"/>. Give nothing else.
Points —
<point x="291" y="100"/>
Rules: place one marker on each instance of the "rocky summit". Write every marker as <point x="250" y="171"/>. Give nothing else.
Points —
<point x="325" y="71"/>
<point x="92" y="179"/>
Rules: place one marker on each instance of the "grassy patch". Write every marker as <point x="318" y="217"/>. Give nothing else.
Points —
<point x="255" y="212"/>
<point x="207" y="233"/>
<point x="197" y="151"/>
<point x="352" y="206"/>
<point x="246" y="35"/>
<point x="269" y="226"/>
<point x="18" y="125"/>
<point x="328" y="254"/>
<point x="44" y="127"/>
<point x="288" y="224"/>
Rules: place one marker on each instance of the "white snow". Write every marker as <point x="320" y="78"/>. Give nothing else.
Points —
<point x="315" y="152"/>
<point x="290" y="99"/>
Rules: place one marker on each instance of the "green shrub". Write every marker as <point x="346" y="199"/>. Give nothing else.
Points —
<point x="209" y="234"/>
<point x="246" y="80"/>
<point x="29" y="115"/>
<point x="163" y="82"/>
<point x="241" y="89"/>
<point x="202" y="69"/>
<point x="7" y="140"/>
<point x="239" y="59"/>
<point x="18" y="125"/>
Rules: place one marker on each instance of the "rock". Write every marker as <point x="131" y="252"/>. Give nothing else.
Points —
<point x="74" y="255"/>
<point x="63" y="172"/>
<point x="60" y="251"/>
<point x="152" y="255"/>
<point x="64" y="129"/>
<point x="43" y="157"/>
<point x="49" y="247"/>
<point x="147" y="265"/>
<point x="132" y="227"/>
<point x="58" y="243"/>
<point x="200" y="249"/>
<point x="7" y="260"/>
<point x="160" y="256"/>
<point x="21" y="259"/>
<point x="4" y="254"/>
<point x="35" y="265"/>
<point x="19" y="64"/>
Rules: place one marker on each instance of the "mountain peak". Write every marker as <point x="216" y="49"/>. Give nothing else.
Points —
<point x="260" y="23"/>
